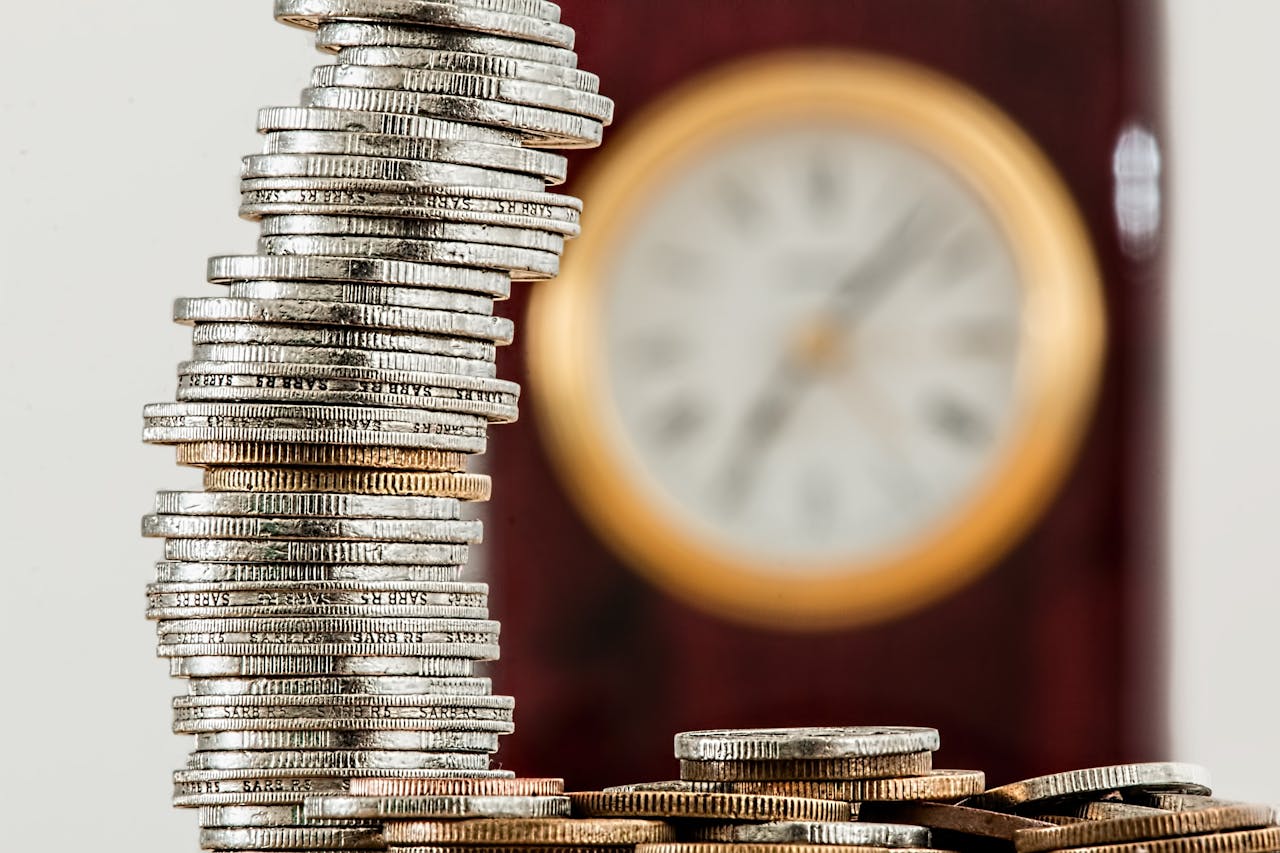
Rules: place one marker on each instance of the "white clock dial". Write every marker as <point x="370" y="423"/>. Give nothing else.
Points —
<point x="812" y="339"/>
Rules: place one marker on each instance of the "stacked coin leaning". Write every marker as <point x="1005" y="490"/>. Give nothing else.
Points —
<point x="314" y="593"/>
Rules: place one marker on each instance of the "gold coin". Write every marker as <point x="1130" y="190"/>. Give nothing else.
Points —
<point x="1145" y="827"/>
<point x="1249" y="841"/>
<point x="533" y="832"/>
<point x="318" y="455"/>
<point x="934" y="785"/>
<point x="466" y="487"/>
<point x="518" y="787"/>
<point x="857" y="767"/>
<point x="709" y="806"/>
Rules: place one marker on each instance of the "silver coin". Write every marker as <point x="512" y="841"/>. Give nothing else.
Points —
<point x="220" y="309"/>
<point x="335" y="686"/>
<point x="847" y="833"/>
<point x="435" y="808"/>
<point x="334" y="611"/>
<point x="312" y="13"/>
<point x="395" y="125"/>
<point x="410" y="229"/>
<point x="450" y="629"/>
<point x="368" y="294"/>
<point x="460" y="84"/>
<point x="300" y="418"/>
<point x="273" y="666"/>
<point x="404" y="12"/>
<point x="416" y="741"/>
<point x="322" y="197"/>
<point x="322" y="647"/>
<point x="244" y="816"/>
<point x="378" y="271"/>
<point x="180" y="596"/>
<point x="373" y="359"/>
<point x="803" y="743"/>
<point x="471" y="63"/>
<point x="286" y="551"/>
<point x="336" y="760"/>
<point x="254" y="527"/>
<point x="552" y="168"/>
<point x="291" y="838"/>
<point x="1156" y="776"/>
<point x="522" y="264"/>
<point x="259" y="573"/>
<point x="288" y="504"/>
<point x="342" y="167"/>
<point x="193" y="788"/>
<point x="493" y="399"/>
<point x="218" y="720"/>
<point x="342" y="34"/>
<point x="544" y="128"/>
<point x="342" y="339"/>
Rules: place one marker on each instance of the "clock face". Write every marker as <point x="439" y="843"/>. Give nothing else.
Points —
<point x="827" y="344"/>
<point x="812" y="338"/>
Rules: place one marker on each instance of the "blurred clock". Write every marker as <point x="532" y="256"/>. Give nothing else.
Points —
<point x="826" y="345"/>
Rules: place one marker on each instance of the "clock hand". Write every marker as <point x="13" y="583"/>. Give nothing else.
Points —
<point x="788" y="383"/>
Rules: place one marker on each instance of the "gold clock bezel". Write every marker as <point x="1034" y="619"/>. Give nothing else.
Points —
<point x="1061" y="346"/>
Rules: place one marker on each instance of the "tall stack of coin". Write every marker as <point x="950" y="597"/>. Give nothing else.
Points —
<point x="314" y="592"/>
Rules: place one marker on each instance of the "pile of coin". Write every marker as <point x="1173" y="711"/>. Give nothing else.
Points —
<point x="314" y="593"/>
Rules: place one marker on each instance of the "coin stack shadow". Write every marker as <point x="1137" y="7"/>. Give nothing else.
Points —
<point x="313" y="593"/>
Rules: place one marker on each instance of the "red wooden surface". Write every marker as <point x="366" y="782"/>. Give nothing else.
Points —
<point x="1052" y="659"/>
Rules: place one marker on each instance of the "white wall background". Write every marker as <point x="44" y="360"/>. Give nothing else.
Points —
<point x="91" y="259"/>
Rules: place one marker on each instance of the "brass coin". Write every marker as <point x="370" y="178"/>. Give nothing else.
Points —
<point x="853" y="767"/>
<point x="947" y="818"/>
<point x="1175" y="802"/>
<point x="318" y="455"/>
<point x="708" y="806"/>
<point x="1249" y="841"/>
<point x="517" y="787"/>
<point x="727" y="847"/>
<point x="935" y="785"/>
<point x="465" y="487"/>
<point x="1140" y="827"/>
<point x="533" y="832"/>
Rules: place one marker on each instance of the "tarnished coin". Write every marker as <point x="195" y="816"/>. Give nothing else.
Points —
<point x="1098" y="809"/>
<point x="469" y="16"/>
<point x="1248" y="841"/>
<point x="530" y="832"/>
<point x="376" y="271"/>
<point x="298" y="551"/>
<point x="382" y="685"/>
<point x="743" y="847"/>
<point x="671" y="805"/>
<point x="426" y="298"/>
<point x="490" y="65"/>
<point x="290" y="504"/>
<point x="291" y="838"/>
<point x="436" y="807"/>
<point x="215" y="309"/>
<point x="341" y="34"/>
<point x="853" y="767"/>
<point x="1163" y="776"/>
<point x="347" y="759"/>
<point x="413" y="741"/>
<point x="957" y="820"/>
<point x="803" y="743"/>
<point x="319" y="456"/>
<point x="677" y="785"/>
<point x="273" y="573"/>
<point x="1177" y="802"/>
<point x="237" y="816"/>
<point x="848" y="833"/>
<point x="513" y="787"/>
<point x="334" y="529"/>
<point x="465" y="487"/>
<point x="245" y="816"/>
<point x="251" y="666"/>
<point x="1142" y="827"/>
<point x="379" y="360"/>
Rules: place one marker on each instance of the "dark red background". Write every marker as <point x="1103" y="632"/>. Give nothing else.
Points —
<point x="1049" y="661"/>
